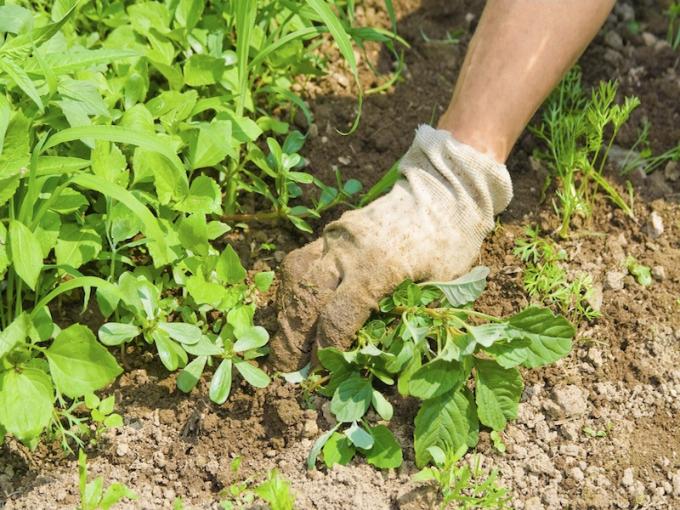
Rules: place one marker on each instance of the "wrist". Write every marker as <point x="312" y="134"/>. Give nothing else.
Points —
<point x="487" y="141"/>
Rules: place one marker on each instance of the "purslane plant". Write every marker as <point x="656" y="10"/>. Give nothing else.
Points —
<point x="428" y="342"/>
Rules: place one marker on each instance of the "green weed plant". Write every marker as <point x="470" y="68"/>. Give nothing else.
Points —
<point x="429" y="343"/>
<point x="131" y="136"/>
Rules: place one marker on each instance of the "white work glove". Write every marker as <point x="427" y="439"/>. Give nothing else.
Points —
<point x="430" y="226"/>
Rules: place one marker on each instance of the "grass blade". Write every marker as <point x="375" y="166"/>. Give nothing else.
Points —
<point x="344" y="43"/>
<point x="118" y="134"/>
<point x="151" y="227"/>
<point x="246" y="11"/>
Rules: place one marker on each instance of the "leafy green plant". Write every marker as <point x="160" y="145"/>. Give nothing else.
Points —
<point x="92" y="494"/>
<point x="641" y="273"/>
<point x="275" y="491"/>
<point x="133" y="135"/>
<point x="431" y="344"/>
<point x="578" y="132"/>
<point x="464" y="485"/>
<point x="673" y="34"/>
<point x="546" y="280"/>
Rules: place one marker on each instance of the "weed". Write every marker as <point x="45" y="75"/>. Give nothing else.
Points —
<point x="275" y="491"/>
<point x="641" y="273"/>
<point x="546" y="280"/>
<point x="573" y="131"/>
<point x="463" y="484"/>
<point x="131" y="134"/>
<point x="645" y="158"/>
<point x="92" y="494"/>
<point x="429" y="342"/>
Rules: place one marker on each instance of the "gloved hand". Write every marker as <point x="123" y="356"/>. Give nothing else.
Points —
<point x="430" y="226"/>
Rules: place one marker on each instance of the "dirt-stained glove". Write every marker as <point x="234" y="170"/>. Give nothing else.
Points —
<point x="430" y="226"/>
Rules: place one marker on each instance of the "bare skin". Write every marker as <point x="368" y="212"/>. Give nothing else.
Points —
<point x="519" y="52"/>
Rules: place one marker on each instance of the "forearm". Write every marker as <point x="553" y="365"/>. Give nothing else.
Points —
<point x="519" y="52"/>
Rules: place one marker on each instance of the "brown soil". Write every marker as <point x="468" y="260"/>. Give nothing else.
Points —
<point x="625" y="364"/>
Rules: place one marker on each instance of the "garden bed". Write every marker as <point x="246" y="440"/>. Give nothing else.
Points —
<point x="596" y="430"/>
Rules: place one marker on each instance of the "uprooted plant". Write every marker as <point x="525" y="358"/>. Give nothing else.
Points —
<point x="429" y="343"/>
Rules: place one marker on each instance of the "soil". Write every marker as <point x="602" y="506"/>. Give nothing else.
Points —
<point x="596" y="430"/>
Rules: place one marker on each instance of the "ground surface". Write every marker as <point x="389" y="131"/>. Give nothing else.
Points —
<point x="622" y="378"/>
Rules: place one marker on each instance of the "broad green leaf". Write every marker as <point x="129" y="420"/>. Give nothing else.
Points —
<point x="210" y="144"/>
<point x="435" y="378"/>
<point x="445" y="421"/>
<point x="332" y="359"/>
<point x="26" y="253"/>
<point x="172" y="355"/>
<point x="15" y="19"/>
<point x="77" y="245"/>
<point x="488" y="334"/>
<point x="204" y="197"/>
<point x="497" y="392"/>
<point x="14" y="334"/>
<point x="123" y="224"/>
<point x="263" y="280"/>
<point x="188" y="13"/>
<point x="79" y="364"/>
<point x="26" y="397"/>
<point x="204" y="347"/>
<point x="220" y="386"/>
<point x="193" y="234"/>
<point x="352" y="399"/>
<point x="382" y="406"/>
<point x="510" y="354"/>
<point x="405" y="377"/>
<point x="201" y="70"/>
<point x="465" y="289"/>
<point x="250" y="338"/>
<point x="318" y="445"/>
<point x="69" y="201"/>
<point x="188" y="334"/>
<point x="241" y="317"/>
<point x="549" y="335"/>
<point x="171" y="182"/>
<point x="386" y="452"/>
<point x="116" y="333"/>
<point x="338" y="450"/>
<point x="359" y="437"/>
<point x="204" y="292"/>
<point x="15" y="149"/>
<point x="229" y="267"/>
<point x="253" y="375"/>
<point x="188" y="377"/>
<point x="47" y="232"/>
<point x="41" y="327"/>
